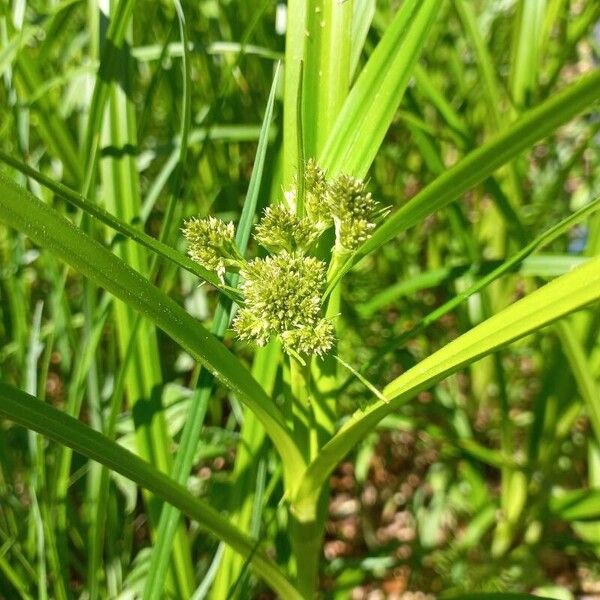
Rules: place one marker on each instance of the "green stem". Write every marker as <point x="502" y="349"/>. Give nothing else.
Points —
<point x="302" y="417"/>
<point x="306" y="536"/>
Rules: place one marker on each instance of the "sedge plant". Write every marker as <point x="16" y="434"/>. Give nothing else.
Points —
<point x="298" y="335"/>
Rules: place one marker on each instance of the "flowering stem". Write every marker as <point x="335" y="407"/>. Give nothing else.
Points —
<point x="302" y="414"/>
<point x="306" y="536"/>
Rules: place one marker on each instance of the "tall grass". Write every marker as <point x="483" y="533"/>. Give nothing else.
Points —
<point x="148" y="452"/>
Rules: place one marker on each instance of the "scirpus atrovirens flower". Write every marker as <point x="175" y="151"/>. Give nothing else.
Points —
<point x="283" y="292"/>
<point x="281" y="230"/>
<point x="283" y="297"/>
<point x="353" y="210"/>
<point x="316" y="188"/>
<point x="211" y="243"/>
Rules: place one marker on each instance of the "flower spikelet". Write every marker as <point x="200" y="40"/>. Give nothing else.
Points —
<point x="211" y="244"/>
<point x="316" y="188"/>
<point x="283" y="297"/>
<point x="251" y="327"/>
<point x="353" y="209"/>
<point x="281" y="230"/>
<point x="317" y="339"/>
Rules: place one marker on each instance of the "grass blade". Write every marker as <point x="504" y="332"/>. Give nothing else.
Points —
<point x="24" y="212"/>
<point x="102" y="215"/>
<point x="560" y="297"/>
<point x="372" y="102"/>
<point x="29" y="412"/>
<point x="481" y="163"/>
<point x="435" y="277"/>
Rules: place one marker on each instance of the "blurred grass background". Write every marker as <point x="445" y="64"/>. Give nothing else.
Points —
<point x="452" y="494"/>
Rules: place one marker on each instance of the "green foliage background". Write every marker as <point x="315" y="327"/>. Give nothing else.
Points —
<point x="457" y="433"/>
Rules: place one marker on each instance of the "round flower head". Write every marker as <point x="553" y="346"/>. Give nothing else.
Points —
<point x="353" y="210"/>
<point x="317" y="339"/>
<point x="281" y="230"/>
<point x="211" y="244"/>
<point x="283" y="297"/>
<point x="316" y="188"/>
<point x="283" y="292"/>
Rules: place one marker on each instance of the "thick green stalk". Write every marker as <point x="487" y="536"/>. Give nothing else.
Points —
<point x="306" y="536"/>
<point x="307" y="545"/>
<point x="327" y="54"/>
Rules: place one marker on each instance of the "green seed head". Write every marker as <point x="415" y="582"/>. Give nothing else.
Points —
<point x="317" y="339"/>
<point x="353" y="210"/>
<point x="283" y="297"/>
<point x="283" y="292"/>
<point x="211" y="244"/>
<point x="316" y="188"/>
<point x="280" y="230"/>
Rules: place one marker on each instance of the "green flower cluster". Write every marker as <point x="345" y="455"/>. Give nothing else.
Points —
<point x="283" y="297"/>
<point x="280" y="230"/>
<point x="283" y="292"/>
<point x="211" y="243"/>
<point x="343" y="202"/>
<point x="353" y="210"/>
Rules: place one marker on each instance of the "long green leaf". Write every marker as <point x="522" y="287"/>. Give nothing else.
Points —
<point x="374" y="99"/>
<point x="113" y="222"/>
<point x="481" y="163"/>
<point x="24" y="212"/>
<point x="437" y="276"/>
<point x="115" y="36"/>
<point x="38" y="416"/>
<point x="561" y="296"/>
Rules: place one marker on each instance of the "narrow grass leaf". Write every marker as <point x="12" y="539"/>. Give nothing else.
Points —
<point x="29" y="412"/>
<point x="118" y="225"/>
<point x="363" y="12"/>
<point x="24" y="212"/>
<point x="558" y="298"/>
<point x="376" y="95"/>
<point x="481" y="163"/>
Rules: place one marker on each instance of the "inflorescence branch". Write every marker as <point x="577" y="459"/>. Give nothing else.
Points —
<point x="283" y="292"/>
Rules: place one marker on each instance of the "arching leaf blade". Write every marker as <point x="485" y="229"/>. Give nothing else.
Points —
<point x="29" y="412"/>
<point x="554" y="300"/>
<point x="24" y="212"/>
